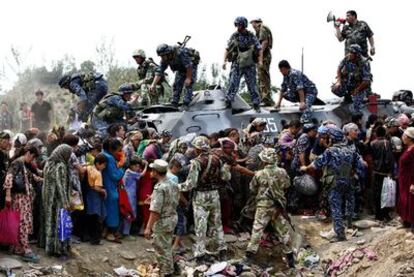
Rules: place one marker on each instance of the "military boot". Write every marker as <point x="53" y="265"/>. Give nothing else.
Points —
<point x="349" y="222"/>
<point x="290" y="259"/>
<point x="248" y="258"/>
<point x="256" y="107"/>
<point x="228" y="104"/>
<point x="222" y="255"/>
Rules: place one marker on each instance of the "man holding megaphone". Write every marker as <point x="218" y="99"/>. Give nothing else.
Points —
<point x="355" y="32"/>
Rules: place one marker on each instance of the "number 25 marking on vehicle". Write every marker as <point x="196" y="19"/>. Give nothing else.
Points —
<point x="271" y="126"/>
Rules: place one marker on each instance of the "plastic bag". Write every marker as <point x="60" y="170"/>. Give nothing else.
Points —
<point x="76" y="201"/>
<point x="9" y="226"/>
<point x="388" y="192"/>
<point x="65" y="225"/>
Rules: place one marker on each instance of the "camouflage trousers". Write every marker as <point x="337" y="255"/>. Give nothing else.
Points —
<point x="357" y="99"/>
<point x="249" y="74"/>
<point x="310" y="97"/>
<point x="263" y="216"/>
<point x="207" y="215"/>
<point x="336" y="197"/>
<point x="100" y="126"/>
<point x="179" y="85"/>
<point x="150" y="98"/>
<point x="263" y="73"/>
<point x="92" y="99"/>
<point x="162" y="243"/>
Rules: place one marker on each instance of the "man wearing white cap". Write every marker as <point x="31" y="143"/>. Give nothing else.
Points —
<point x="163" y="216"/>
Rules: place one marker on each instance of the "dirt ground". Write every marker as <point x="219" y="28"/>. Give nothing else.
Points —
<point x="394" y="248"/>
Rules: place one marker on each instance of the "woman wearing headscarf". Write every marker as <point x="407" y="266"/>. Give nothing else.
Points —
<point x="56" y="196"/>
<point x="19" y="195"/>
<point x="405" y="204"/>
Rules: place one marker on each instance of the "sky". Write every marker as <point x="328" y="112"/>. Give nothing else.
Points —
<point x="47" y="30"/>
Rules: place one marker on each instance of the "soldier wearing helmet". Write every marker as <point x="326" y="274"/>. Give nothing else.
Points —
<point x="182" y="60"/>
<point x="89" y="87"/>
<point x="112" y="109"/>
<point x="353" y="78"/>
<point x="244" y="52"/>
<point x="268" y="189"/>
<point x="339" y="163"/>
<point x="146" y="74"/>
<point x="206" y="176"/>
<point x="265" y="38"/>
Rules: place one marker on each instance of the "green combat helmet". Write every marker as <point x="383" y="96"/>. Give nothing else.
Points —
<point x="201" y="143"/>
<point x="268" y="155"/>
<point x="139" y="53"/>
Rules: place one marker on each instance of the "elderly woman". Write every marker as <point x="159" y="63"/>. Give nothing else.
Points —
<point x="56" y="196"/>
<point x="405" y="205"/>
<point x="19" y="195"/>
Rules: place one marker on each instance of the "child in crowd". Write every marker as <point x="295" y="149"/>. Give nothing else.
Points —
<point x="95" y="196"/>
<point x="174" y="168"/>
<point x="137" y="168"/>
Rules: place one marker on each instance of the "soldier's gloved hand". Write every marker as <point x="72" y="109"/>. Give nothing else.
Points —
<point x="372" y="51"/>
<point x="224" y="66"/>
<point x="302" y="106"/>
<point x="187" y="82"/>
<point x="152" y="88"/>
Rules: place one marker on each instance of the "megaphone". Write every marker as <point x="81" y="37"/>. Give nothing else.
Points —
<point x="336" y="21"/>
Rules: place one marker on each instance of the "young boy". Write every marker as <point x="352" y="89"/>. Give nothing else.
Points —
<point x="137" y="168"/>
<point x="174" y="168"/>
<point x="95" y="196"/>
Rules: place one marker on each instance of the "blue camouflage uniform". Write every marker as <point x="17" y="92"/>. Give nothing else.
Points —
<point x="303" y="145"/>
<point x="244" y="41"/>
<point x="109" y="111"/>
<point x="352" y="74"/>
<point x="294" y="82"/>
<point x="181" y="61"/>
<point x="91" y="87"/>
<point x="339" y="161"/>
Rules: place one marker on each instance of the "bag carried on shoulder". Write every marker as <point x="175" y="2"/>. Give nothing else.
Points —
<point x="388" y="193"/>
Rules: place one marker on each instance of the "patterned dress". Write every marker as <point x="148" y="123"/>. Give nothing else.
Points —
<point x="22" y="202"/>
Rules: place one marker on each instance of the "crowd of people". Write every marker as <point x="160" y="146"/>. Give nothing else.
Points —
<point x="148" y="183"/>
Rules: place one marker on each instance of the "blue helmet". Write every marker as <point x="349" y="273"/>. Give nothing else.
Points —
<point x="65" y="80"/>
<point x="355" y="48"/>
<point x="125" y="89"/>
<point x="164" y="49"/>
<point x="240" y="21"/>
<point x="336" y="134"/>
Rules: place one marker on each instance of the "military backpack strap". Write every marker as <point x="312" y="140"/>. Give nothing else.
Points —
<point x="206" y="171"/>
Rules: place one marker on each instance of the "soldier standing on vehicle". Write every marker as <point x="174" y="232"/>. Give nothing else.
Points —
<point x="146" y="74"/>
<point x="182" y="60"/>
<point x="268" y="185"/>
<point x="89" y="87"/>
<point x="206" y="176"/>
<point x="356" y="32"/>
<point x="264" y="35"/>
<point x="244" y="52"/>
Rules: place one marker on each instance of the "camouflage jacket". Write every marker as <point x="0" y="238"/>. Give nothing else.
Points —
<point x="268" y="185"/>
<point x="353" y="73"/>
<point x="164" y="199"/>
<point x="82" y="83"/>
<point x="197" y="173"/>
<point x="357" y="34"/>
<point x="264" y="33"/>
<point x="146" y="74"/>
<point x="112" y="108"/>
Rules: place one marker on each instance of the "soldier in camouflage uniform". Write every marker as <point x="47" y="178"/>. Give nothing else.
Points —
<point x="112" y="109"/>
<point x="296" y="87"/>
<point x="182" y="60"/>
<point x="89" y="87"/>
<point x="163" y="216"/>
<point x="268" y="185"/>
<point x="338" y="163"/>
<point x="206" y="175"/>
<point x="353" y="78"/>
<point x="244" y="52"/>
<point x="264" y="35"/>
<point x="146" y="74"/>
<point x="356" y="32"/>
